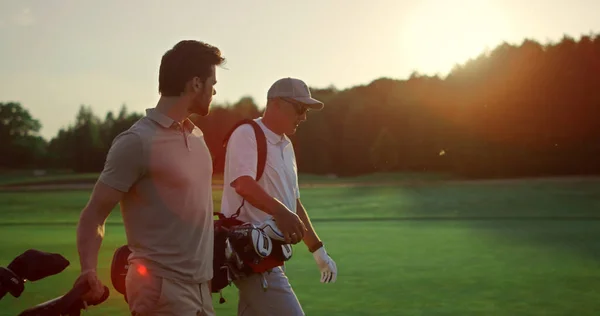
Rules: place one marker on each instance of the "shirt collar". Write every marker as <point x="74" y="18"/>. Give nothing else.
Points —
<point x="166" y="121"/>
<point x="272" y="137"/>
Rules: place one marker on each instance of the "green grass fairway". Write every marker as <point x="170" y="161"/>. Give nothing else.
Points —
<point x="493" y="248"/>
<point x="27" y="177"/>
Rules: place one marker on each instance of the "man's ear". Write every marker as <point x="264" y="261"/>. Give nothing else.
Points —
<point x="195" y="85"/>
<point x="190" y="87"/>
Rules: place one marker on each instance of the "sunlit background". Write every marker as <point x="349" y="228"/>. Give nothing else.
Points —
<point x="58" y="55"/>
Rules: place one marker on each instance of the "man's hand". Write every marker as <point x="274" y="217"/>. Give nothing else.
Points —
<point x="96" y="287"/>
<point x="326" y="265"/>
<point x="290" y="225"/>
<point x="288" y="222"/>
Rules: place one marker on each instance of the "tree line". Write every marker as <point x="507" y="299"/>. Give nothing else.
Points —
<point x="517" y="110"/>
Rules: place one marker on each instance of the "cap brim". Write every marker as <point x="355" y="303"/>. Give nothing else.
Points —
<point x="312" y="103"/>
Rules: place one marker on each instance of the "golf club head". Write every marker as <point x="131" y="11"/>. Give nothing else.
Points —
<point x="281" y="250"/>
<point x="10" y="283"/>
<point x="286" y="252"/>
<point x="261" y="242"/>
<point x="270" y="228"/>
<point x="250" y="242"/>
<point x="228" y="250"/>
<point x="35" y="265"/>
<point x="31" y="265"/>
<point x="69" y="304"/>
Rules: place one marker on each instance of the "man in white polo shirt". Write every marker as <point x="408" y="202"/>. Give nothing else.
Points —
<point x="276" y="195"/>
<point x="160" y="171"/>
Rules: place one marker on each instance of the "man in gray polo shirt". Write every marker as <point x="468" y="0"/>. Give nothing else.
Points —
<point x="160" y="171"/>
<point x="276" y="195"/>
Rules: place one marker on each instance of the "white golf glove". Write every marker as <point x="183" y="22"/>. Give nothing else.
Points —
<point x="326" y="265"/>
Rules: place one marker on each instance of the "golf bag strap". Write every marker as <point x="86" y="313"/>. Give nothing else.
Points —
<point x="261" y="146"/>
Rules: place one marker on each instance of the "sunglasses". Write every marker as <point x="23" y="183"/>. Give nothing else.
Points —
<point x="300" y="108"/>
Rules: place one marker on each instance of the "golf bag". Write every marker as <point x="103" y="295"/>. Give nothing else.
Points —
<point x="34" y="265"/>
<point x="118" y="269"/>
<point x="238" y="249"/>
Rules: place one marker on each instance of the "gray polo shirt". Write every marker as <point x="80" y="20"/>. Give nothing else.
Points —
<point x="165" y="169"/>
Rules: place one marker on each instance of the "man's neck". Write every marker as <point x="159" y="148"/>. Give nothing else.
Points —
<point x="173" y="107"/>
<point x="271" y="124"/>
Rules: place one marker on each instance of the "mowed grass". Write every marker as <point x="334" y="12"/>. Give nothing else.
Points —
<point x="536" y="265"/>
<point x="27" y="177"/>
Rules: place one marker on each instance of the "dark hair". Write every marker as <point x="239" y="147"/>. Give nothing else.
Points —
<point x="186" y="60"/>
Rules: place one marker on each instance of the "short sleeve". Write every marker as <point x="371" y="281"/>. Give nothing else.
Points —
<point x="242" y="154"/>
<point x="124" y="163"/>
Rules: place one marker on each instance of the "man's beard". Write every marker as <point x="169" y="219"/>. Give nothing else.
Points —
<point x="200" y="106"/>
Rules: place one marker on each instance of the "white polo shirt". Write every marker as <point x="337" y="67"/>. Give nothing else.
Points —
<point x="280" y="177"/>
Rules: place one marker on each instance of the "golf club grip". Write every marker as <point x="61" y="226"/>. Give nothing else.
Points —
<point x="76" y="306"/>
<point x="79" y="292"/>
<point x="75" y="310"/>
<point x="103" y="298"/>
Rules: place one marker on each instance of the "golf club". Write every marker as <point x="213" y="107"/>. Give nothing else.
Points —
<point x="69" y="304"/>
<point x="31" y="265"/>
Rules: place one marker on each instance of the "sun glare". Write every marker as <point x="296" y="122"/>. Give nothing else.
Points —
<point x="439" y="34"/>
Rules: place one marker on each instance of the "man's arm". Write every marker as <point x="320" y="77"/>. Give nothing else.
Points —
<point x="123" y="167"/>
<point x="311" y="239"/>
<point x="289" y="223"/>
<point x="90" y="229"/>
<point x="252" y="192"/>
<point x="240" y="162"/>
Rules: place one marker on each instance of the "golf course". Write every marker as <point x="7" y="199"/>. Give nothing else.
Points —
<point x="446" y="153"/>
<point x="403" y="244"/>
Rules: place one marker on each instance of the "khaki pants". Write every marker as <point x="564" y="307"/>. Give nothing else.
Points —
<point x="156" y="296"/>
<point x="278" y="300"/>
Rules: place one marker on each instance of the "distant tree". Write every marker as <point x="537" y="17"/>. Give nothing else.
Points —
<point x="20" y="143"/>
<point x="384" y="154"/>
<point x="518" y="109"/>
<point x="83" y="145"/>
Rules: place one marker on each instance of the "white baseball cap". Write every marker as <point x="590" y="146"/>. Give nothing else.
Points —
<point x="295" y="89"/>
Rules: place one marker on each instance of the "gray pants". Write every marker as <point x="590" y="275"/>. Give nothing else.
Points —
<point x="279" y="299"/>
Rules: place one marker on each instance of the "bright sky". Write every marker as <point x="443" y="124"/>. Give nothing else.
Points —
<point x="57" y="55"/>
